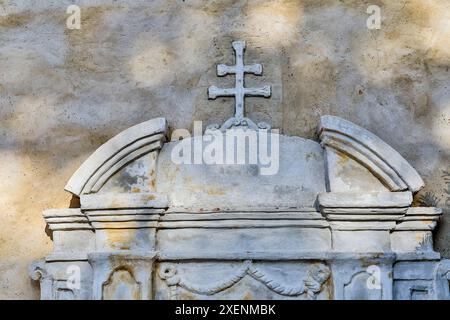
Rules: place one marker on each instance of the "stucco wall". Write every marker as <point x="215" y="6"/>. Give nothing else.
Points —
<point x="65" y="92"/>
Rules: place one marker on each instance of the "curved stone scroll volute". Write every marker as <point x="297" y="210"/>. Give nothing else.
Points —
<point x="117" y="152"/>
<point x="38" y="272"/>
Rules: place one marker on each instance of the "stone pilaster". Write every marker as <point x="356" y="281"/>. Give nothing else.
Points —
<point x="125" y="234"/>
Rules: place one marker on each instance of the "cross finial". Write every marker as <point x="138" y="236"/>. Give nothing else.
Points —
<point x="239" y="92"/>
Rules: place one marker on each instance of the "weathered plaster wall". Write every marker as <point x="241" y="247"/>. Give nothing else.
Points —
<point x="65" y="92"/>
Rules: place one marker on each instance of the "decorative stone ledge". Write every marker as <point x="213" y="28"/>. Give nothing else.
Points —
<point x="123" y="201"/>
<point x="72" y="233"/>
<point x="66" y="219"/>
<point x="365" y="200"/>
<point x="364" y="211"/>
<point x="419" y="219"/>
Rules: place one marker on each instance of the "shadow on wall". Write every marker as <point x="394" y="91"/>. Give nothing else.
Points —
<point x="65" y="92"/>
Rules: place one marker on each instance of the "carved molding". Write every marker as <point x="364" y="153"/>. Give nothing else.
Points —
<point x="124" y="277"/>
<point x="419" y="219"/>
<point x="120" y="150"/>
<point x="113" y="201"/>
<point x="371" y="152"/>
<point x="135" y="267"/>
<point x="364" y="211"/>
<point x="66" y="219"/>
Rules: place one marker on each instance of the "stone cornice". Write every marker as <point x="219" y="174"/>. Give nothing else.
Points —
<point x="66" y="219"/>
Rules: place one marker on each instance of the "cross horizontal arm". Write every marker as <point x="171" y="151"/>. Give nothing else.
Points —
<point x="214" y="92"/>
<point x="239" y="92"/>
<point x="254" y="69"/>
<point x="264" y="91"/>
<point x="223" y="70"/>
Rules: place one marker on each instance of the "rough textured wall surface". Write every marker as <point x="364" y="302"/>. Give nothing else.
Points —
<point x="65" y="92"/>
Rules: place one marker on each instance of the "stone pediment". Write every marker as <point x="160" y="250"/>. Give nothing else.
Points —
<point x="346" y="158"/>
<point x="301" y="176"/>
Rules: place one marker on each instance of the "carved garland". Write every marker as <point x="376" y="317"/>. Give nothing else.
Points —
<point x="318" y="274"/>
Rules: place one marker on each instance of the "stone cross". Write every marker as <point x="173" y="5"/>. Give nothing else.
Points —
<point x="239" y="91"/>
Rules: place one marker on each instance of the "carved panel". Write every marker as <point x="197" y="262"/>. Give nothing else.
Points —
<point x="121" y="285"/>
<point x="243" y="280"/>
<point x="358" y="288"/>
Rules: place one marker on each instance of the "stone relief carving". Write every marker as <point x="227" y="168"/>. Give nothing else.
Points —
<point x="38" y="272"/>
<point x="357" y="289"/>
<point x="337" y="208"/>
<point x="311" y="285"/>
<point x="239" y="92"/>
<point x="121" y="285"/>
